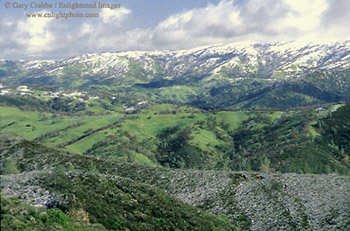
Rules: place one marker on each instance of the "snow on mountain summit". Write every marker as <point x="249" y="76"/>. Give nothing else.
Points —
<point x="291" y="58"/>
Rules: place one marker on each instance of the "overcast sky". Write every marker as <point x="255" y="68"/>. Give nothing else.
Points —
<point x="169" y="24"/>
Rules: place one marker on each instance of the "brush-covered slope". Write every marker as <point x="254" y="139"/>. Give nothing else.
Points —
<point x="48" y="178"/>
<point x="16" y="215"/>
<point x="121" y="195"/>
<point x="241" y="75"/>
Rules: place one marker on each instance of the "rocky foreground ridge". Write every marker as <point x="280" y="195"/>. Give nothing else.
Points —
<point x="249" y="200"/>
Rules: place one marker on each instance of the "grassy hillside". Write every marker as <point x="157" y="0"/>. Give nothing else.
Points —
<point x="304" y="140"/>
<point x="185" y="137"/>
<point x="297" y="143"/>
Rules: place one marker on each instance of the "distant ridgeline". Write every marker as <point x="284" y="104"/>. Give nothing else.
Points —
<point x="277" y="75"/>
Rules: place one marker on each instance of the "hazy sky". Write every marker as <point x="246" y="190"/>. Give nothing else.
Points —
<point x="168" y="24"/>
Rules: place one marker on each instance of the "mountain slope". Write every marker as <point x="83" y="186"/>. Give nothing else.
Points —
<point x="76" y="187"/>
<point x="248" y="75"/>
<point x="252" y="201"/>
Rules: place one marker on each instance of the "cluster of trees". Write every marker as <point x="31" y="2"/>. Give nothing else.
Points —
<point x="175" y="151"/>
<point x="259" y="144"/>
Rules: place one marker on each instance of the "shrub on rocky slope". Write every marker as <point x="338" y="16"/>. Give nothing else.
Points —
<point x="82" y="186"/>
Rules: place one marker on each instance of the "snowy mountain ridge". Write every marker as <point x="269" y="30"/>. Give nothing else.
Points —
<point x="292" y="58"/>
<point x="278" y="75"/>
